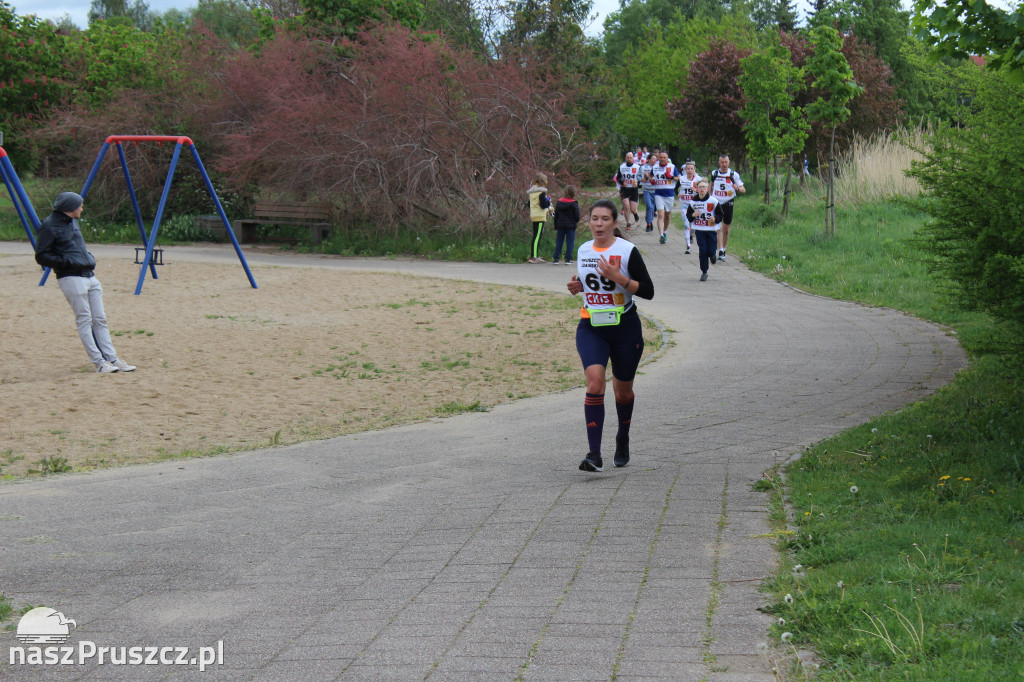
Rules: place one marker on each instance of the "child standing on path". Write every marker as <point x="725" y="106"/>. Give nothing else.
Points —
<point x="540" y="207"/>
<point x="567" y="217"/>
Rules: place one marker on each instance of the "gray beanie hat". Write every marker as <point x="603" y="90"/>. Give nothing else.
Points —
<point x="67" y="202"/>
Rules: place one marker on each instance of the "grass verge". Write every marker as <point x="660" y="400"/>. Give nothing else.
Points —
<point x="905" y="556"/>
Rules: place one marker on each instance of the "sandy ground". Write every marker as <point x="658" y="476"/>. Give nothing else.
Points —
<point x="312" y="353"/>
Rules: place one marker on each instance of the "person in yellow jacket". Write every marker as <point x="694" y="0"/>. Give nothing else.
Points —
<point x="540" y="207"/>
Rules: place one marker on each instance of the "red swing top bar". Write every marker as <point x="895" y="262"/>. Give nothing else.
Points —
<point x="2" y="153"/>
<point x="180" y="139"/>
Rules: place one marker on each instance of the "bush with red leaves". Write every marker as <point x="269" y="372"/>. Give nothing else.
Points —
<point x="397" y="129"/>
<point x="711" y="100"/>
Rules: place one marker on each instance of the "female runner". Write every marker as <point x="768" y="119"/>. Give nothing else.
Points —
<point x="609" y="273"/>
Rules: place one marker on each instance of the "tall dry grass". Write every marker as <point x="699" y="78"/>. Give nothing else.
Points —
<point x="874" y="168"/>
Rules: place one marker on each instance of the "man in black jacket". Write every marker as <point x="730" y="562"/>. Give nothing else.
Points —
<point x="60" y="246"/>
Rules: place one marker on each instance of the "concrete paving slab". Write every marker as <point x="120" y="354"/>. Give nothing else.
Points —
<point x="471" y="547"/>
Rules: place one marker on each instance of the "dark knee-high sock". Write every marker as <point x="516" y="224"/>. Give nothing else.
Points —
<point x="593" y="412"/>
<point x="625" y="412"/>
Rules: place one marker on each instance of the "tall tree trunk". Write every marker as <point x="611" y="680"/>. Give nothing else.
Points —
<point x="785" y="192"/>
<point x="802" y="168"/>
<point x="832" y="185"/>
<point x="754" y="172"/>
<point x="767" y="189"/>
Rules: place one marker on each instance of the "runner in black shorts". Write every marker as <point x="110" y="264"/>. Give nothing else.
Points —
<point x="727" y="212"/>
<point x="609" y="273"/>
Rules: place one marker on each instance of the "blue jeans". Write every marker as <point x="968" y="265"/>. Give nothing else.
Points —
<point x="568" y="237"/>
<point x="649" y="205"/>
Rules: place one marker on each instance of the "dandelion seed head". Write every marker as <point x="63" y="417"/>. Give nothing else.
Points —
<point x="786" y="636"/>
<point x="874" y="430"/>
<point x="854" y="489"/>
<point x="788" y="599"/>
<point x="762" y="646"/>
<point x="782" y="621"/>
<point x="841" y="585"/>
<point x="798" y="568"/>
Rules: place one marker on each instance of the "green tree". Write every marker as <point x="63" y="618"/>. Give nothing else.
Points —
<point x="977" y="246"/>
<point x="113" y="55"/>
<point x="779" y="15"/>
<point x="638" y="21"/>
<point x="833" y="75"/>
<point x="651" y="74"/>
<point x="936" y="89"/>
<point x="136" y="12"/>
<point x="459" y="21"/>
<point x="773" y="123"/>
<point x="554" y="27"/>
<point x="231" y="20"/>
<point x="30" y="79"/>
<point x="962" y="28"/>
<point x="348" y="16"/>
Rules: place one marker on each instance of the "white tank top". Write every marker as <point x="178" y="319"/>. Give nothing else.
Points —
<point x="599" y="292"/>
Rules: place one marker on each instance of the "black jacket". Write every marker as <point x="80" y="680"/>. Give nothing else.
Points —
<point x="60" y="246"/>
<point x="567" y="214"/>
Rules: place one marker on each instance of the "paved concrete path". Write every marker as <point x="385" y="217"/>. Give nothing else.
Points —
<point x="472" y="547"/>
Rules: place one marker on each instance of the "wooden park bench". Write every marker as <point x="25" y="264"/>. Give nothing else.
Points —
<point x="285" y="213"/>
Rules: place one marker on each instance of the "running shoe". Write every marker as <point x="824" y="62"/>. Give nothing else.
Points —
<point x="621" y="451"/>
<point x="592" y="462"/>
<point x="123" y="366"/>
<point x="714" y="259"/>
<point x="722" y="257"/>
<point x="687" y="249"/>
<point x="555" y="262"/>
<point x="636" y="217"/>
<point x="650" y="227"/>
<point x="568" y="262"/>
<point x="104" y="367"/>
<point x="703" y="276"/>
<point x="662" y="239"/>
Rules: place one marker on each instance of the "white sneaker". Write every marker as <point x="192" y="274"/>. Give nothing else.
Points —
<point x="123" y="366"/>
<point x="105" y="367"/>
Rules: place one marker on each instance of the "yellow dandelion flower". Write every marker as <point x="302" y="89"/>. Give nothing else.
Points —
<point x="943" y="478"/>
<point x="966" y="479"/>
<point x="941" y="484"/>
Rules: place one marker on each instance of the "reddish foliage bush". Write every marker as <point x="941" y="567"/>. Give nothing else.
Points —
<point x="396" y="128"/>
<point x="711" y="100"/>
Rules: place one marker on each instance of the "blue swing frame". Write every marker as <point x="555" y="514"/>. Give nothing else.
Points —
<point x="18" y="197"/>
<point x="150" y="240"/>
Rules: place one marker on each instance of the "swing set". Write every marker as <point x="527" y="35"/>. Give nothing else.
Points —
<point x="153" y="256"/>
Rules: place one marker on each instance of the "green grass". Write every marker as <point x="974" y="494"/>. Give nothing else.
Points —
<point x="918" y="573"/>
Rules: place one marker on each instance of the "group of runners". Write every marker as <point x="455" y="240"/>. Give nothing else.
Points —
<point x="610" y="273"/>
<point x="662" y="183"/>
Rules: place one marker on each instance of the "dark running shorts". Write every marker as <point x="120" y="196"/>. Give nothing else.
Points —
<point x="623" y="344"/>
<point x="727" y="213"/>
<point x="631" y="193"/>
